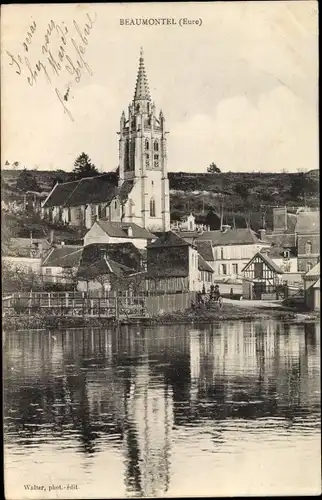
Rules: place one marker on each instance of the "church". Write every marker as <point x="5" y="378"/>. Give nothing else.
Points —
<point x="141" y="197"/>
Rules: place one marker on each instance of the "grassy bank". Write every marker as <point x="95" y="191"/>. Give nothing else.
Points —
<point x="200" y="315"/>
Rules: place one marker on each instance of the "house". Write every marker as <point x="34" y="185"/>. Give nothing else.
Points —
<point x="312" y="288"/>
<point x="126" y="254"/>
<point x="142" y="194"/>
<point x="284" y="258"/>
<point x="61" y="264"/>
<point x="174" y="265"/>
<point x="104" y="274"/>
<point x="262" y="277"/>
<point x="205" y="274"/>
<point x="300" y="231"/>
<point x="307" y="231"/>
<point x="104" y="231"/>
<point x="232" y="250"/>
<point x="25" y="254"/>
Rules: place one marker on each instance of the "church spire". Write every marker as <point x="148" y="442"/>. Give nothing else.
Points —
<point x="141" y="86"/>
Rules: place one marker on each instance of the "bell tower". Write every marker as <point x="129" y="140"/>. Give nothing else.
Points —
<point x="143" y="160"/>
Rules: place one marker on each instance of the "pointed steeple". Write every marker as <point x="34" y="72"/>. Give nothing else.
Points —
<point x="141" y="86"/>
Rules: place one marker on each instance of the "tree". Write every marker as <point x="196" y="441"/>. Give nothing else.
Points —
<point x="26" y="182"/>
<point x="212" y="220"/>
<point x="83" y="167"/>
<point x="213" y="169"/>
<point x="242" y="190"/>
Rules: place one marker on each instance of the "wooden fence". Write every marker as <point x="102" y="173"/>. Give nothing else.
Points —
<point x="112" y="305"/>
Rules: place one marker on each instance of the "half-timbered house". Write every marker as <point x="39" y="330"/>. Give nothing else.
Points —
<point x="262" y="278"/>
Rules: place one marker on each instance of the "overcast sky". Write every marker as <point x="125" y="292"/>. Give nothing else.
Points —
<point x="240" y="90"/>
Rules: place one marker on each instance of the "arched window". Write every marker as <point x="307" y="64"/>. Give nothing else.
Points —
<point x="308" y="248"/>
<point x="147" y="144"/>
<point x="152" y="207"/>
<point x="156" y="146"/>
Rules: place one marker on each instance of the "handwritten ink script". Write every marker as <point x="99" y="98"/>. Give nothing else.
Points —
<point x="62" y="51"/>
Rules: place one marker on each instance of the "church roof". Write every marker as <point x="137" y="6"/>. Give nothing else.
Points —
<point x="97" y="189"/>
<point x="141" y="86"/>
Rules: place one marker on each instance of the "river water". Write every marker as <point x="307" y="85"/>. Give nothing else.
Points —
<point x="227" y="409"/>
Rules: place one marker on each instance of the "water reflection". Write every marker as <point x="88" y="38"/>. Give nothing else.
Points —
<point x="141" y="390"/>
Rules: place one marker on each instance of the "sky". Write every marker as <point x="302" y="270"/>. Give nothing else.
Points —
<point x="240" y="89"/>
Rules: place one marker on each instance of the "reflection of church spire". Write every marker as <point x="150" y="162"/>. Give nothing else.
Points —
<point x="141" y="87"/>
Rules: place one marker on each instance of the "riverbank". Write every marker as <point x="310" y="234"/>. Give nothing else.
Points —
<point x="202" y="314"/>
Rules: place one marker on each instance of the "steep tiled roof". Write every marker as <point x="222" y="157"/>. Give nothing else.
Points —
<point x="102" y="267"/>
<point x="188" y="236"/>
<point x="65" y="256"/>
<point x="230" y="237"/>
<point x="92" y="190"/>
<point x="268" y="261"/>
<point x="203" y="265"/>
<point x="126" y="254"/>
<point x="308" y="222"/>
<point x="275" y="252"/>
<point x="119" y="230"/>
<point x="60" y="194"/>
<point x="125" y="190"/>
<point x="205" y="250"/>
<point x="169" y="239"/>
<point x="97" y="189"/>
<point x="285" y="240"/>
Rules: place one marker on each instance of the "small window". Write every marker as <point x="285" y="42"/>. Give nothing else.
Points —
<point x="222" y="253"/>
<point x="286" y="254"/>
<point x="115" y="204"/>
<point x="147" y="144"/>
<point x="235" y="268"/>
<point x="224" y="268"/>
<point x="152" y="183"/>
<point x="152" y="208"/>
<point x="48" y="271"/>
<point x="156" y="146"/>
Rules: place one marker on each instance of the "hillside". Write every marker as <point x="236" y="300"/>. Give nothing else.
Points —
<point x="242" y="195"/>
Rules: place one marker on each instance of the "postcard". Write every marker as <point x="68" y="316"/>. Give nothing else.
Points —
<point x="160" y="249"/>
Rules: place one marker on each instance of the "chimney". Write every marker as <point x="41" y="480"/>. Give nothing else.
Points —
<point x="262" y="233"/>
